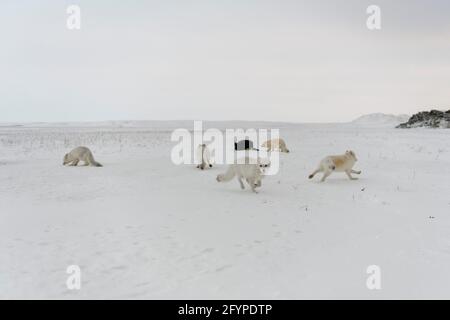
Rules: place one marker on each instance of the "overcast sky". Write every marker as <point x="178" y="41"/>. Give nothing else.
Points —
<point x="299" y="61"/>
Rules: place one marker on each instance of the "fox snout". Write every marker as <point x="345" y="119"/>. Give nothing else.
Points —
<point x="333" y="167"/>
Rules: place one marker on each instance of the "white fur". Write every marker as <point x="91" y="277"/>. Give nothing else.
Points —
<point x="276" y="145"/>
<point x="203" y="157"/>
<point x="245" y="169"/>
<point x="80" y="154"/>
<point x="340" y="163"/>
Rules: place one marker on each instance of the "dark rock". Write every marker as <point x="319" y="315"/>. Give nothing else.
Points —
<point x="430" y="119"/>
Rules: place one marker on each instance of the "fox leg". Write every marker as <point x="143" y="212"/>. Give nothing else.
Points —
<point x="325" y="175"/>
<point x="251" y="183"/>
<point x="203" y="164"/>
<point x="314" y="173"/>
<point x="348" y="172"/>
<point x="75" y="162"/>
<point x="241" y="183"/>
<point x="356" y="172"/>
<point x="207" y="160"/>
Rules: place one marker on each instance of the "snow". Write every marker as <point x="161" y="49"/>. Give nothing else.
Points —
<point x="141" y="227"/>
<point x="380" y="120"/>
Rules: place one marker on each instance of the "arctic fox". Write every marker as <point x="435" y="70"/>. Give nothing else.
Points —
<point x="276" y="145"/>
<point x="341" y="163"/>
<point x="245" y="168"/>
<point x="203" y="156"/>
<point x="80" y="154"/>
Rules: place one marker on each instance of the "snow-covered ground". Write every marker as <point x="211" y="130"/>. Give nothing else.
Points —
<point x="141" y="227"/>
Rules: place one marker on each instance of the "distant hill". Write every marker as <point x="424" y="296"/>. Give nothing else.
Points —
<point x="380" y="120"/>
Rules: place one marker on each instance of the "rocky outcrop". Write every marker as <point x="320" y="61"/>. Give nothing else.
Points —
<point x="430" y="119"/>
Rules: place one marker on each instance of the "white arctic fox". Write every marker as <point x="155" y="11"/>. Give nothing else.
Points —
<point x="276" y="145"/>
<point x="80" y="154"/>
<point x="341" y="163"/>
<point x="203" y="156"/>
<point x="245" y="168"/>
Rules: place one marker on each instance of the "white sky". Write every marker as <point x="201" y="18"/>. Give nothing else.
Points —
<point x="296" y="61"/>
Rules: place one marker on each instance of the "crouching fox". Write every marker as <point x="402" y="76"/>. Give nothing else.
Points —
<point x="276" y="145"/>
<point x="247" y="170"/>
<point x="341" y="163"/>
<point x="80" y="154"/>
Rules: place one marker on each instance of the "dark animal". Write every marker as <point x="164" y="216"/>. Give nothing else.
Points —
<point x="244" y="145"/>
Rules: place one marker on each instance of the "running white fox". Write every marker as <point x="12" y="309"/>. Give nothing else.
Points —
<point x="80" y="154"/>
<point x="203" y="157"/>
<point x="247" y="169"/>
<point x="341" y="163"/>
